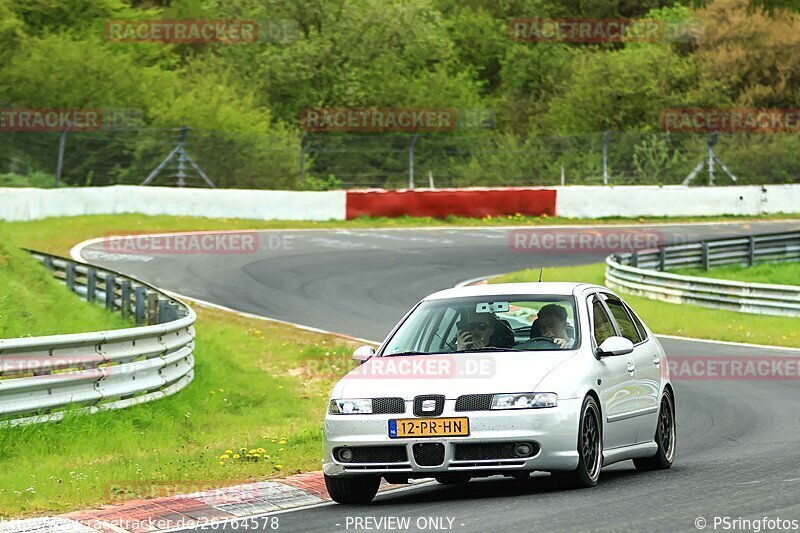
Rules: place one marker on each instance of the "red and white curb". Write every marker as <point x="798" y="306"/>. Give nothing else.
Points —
<point x="189" y="510"/>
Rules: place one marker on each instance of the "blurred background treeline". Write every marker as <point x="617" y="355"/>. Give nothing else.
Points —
<point x="544" y="106"/>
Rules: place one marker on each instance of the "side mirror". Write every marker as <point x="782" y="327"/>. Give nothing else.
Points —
<point x="363" y="353"/>
<point x="615" y="346"/>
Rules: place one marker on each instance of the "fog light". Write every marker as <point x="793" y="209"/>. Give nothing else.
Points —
<point x="523" y="449"/>
<point x="345" y="455"/>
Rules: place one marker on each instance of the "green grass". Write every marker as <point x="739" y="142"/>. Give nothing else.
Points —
<point x="53" y="234"/>
<point x="775" y="273"/>
<point x="680" y="319"/>
<point x="255" y="383"/>
<point x="33" y="303"/>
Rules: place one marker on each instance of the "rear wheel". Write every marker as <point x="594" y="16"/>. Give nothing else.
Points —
<point x="590" y="450"/>
<point x="356" y="489"/>
<point x="665" y="438"/>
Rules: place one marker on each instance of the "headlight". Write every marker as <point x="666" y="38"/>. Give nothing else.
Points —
<point x="350" y="407"/>
<point x="527" y="400"/>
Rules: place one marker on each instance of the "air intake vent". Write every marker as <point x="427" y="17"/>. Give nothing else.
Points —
<point x="388" y="406"/>
<point x="429" y="453"/>
<point x="474" y="402"/>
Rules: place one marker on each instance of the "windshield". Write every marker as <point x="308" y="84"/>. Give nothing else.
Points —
<point x="486" y="323"/>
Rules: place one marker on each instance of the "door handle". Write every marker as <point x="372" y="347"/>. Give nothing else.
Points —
<point x="631" y="367"/>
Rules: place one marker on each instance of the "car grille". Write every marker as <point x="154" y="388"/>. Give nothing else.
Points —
<point x="429" y="453"/>
<point x="438" y="400"/>
<point x="474" y="402"/>
<point x="388" y="406"/>
<point x="377" y="454"/>
<point x="490" y="450"/>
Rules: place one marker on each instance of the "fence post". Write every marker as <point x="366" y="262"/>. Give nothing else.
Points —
<point x="705" y="255"/>
<point x="152" y="308"/>
<point x="411" y="161"/>
<point x="91" y="284"/>
<point x="662" y="259"/>
<point x="606" y="138"/>
<point x="125" y="297"/>
<point x="71" y="276"/>
<point x="634" y="259"/>
<point x="139" y="305"/>
<point x="162" y="311"/>
<point x="751" y="250"/>
<point x="62" y="141"/>
<point x="111" y="291"/>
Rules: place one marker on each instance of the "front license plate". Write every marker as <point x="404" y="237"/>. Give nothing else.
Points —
<point x="432" y="427"/>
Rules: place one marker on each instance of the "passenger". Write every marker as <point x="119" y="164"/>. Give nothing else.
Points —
<point x="482" y="330"/>
<point x="553" y="324"/>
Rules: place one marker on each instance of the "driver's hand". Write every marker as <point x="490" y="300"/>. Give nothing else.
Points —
<point x="561" y="343"/>
<point x="463" y="340"/>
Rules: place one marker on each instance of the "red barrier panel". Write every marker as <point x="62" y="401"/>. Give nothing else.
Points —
<point x="440" y="203"/>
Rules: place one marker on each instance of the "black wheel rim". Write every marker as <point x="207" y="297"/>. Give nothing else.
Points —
<point x="666" y="428"/>
<point x="590" y="442"/>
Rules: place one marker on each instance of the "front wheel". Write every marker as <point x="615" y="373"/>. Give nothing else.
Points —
<point x="356" y="489"/>
<point x="590" y="450"/>
<point x="665" y="438"/>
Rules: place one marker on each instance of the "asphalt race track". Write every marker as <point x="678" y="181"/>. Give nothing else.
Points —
<point x="737" y="440"/>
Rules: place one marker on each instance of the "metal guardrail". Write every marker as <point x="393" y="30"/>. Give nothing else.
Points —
<point x="44" y="378"/>
<point x="643" y="273"/>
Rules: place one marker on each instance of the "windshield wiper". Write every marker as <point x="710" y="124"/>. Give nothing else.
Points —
<point x="401" y="354"/>
<point x="486" y="349"/>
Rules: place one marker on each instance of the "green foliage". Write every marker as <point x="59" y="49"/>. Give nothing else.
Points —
<point x="243" y="101"/>
<point x="322" y="184"/>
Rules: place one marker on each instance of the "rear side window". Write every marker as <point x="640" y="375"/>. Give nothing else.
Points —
<point x="639" y="325"/>
<point x="624" y="321"/>
<point x="603" y="327"/>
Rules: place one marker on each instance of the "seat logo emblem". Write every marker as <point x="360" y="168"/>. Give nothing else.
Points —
<point x="428" y="406"/>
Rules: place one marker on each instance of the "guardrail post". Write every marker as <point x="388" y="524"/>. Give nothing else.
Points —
<point x="139" y="305"/>
<point x="152" y="308"/>
<point x="662" y="259"/>
<point x="125" y="297"/>
<point x="71" y="276"/>
<point x="161" y="311"/>
<point x="634" y="259"/>
<point x="48" y="263"/>
<point x="91" y="284"/>
<point x="111" y="291"/>
<point x="751" y="250"/>
<point x="705" y="255"/>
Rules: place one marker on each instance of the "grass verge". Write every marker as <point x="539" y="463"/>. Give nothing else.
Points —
<point x="33" y="303"/>
<point x="680" y="319"/>
<point x="259" y="386"/>
<point x="776" y="273"/>
<point x="53" y="234"/>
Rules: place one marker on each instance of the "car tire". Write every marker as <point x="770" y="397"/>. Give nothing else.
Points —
<point x="665" y="438"/>
<point x="590" y="450"/>
<point x="453" y="479"/>
<point x="356" y="489"/>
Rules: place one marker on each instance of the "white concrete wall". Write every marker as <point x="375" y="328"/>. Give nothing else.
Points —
<point x="33" y="204"/>
<point x="676" y="200"/>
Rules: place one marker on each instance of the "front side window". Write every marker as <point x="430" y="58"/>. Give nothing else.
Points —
<point x="487" y="323"/>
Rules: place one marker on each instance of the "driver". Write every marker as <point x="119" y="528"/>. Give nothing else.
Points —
<point x="553" y="324"/>
<point x="479" y="330"/>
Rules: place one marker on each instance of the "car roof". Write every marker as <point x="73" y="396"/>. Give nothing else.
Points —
<point x="503" y="289"/>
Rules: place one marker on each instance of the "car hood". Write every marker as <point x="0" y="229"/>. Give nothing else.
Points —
<point x="450" y="375"/>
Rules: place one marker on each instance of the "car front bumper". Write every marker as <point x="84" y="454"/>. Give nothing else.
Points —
<point x="554" y="429"/>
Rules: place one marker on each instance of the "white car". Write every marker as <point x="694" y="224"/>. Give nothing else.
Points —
<point x="502" y="379"/>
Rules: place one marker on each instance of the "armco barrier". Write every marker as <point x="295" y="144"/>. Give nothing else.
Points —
<point x="642" y="273"/>
<point x="441" y="203"/>
<point x="43" y="378"/>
